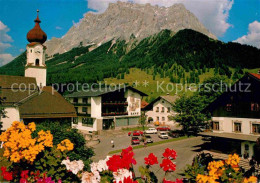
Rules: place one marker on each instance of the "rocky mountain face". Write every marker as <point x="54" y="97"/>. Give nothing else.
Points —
<point x="125" y="20"/>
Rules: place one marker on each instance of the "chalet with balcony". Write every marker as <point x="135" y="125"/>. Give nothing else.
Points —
<point x="106" y="108"/>
<point x="235" y="125"/>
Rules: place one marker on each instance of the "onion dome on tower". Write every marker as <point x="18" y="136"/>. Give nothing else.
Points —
<point x="36" y="34"/>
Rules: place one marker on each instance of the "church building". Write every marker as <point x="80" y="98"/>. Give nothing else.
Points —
<point x="28" y="98"/>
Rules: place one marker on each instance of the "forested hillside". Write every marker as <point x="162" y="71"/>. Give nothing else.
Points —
<point x="182" y="57"/>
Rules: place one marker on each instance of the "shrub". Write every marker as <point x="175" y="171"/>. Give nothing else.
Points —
<point x="61" y="131"/>
<point x="32" y="155"/>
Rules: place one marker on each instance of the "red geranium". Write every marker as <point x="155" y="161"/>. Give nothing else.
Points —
<point x="151" y="159"/>
<point x="128" y="180"/>
<point x="168" y="165"/>
<point x="24" y="176"/>
<point x="124" y="161"/>
<point x="128" y="156"/>
<point x="6" y="175"/>
<point x="170" y="154"/>
<point x="168" y="181"/>
<point x="114" y="163"/>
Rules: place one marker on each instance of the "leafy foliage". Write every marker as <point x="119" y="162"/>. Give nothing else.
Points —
<point x="63" y="131"/>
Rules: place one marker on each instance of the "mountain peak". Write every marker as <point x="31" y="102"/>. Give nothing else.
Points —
<point x="124" y="19"/>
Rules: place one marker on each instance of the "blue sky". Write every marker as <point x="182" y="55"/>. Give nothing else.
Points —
<point x="229" y="20"/>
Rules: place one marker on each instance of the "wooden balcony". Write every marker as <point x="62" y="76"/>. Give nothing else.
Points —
<point x="115" y="114"/>
<point x="112" y="103"/>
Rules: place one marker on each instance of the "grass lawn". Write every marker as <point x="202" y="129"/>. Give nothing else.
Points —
<point x="152" y="90"/>
<point x="152" y="144"/>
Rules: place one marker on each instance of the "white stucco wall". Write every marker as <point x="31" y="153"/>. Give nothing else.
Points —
<point x="160" y="104"/>
<point x="227" y="124"/>
<point x="36" y="52"/>
<point x="39" y="73"/>
<point x="96" y="107"/>
<point x="12" y="114"/>
<point x="134" y="103"/>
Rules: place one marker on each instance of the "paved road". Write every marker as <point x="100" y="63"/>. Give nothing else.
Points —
<point x="186" y="149"/>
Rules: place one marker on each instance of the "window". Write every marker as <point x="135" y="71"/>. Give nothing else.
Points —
<point x="215" y="125"/>
<point x="168" y="109"/>
<point x="162" y="109"/>
<point x="237" y="127"/>
<point x="37" y="62"/>
<point x="163" y="118"/>
<point x="85" y="100"/>
<point x="254" y="107"/>
<point x="229" y="107"/>
<point x="256" y="128"/>
<point x="84" y="109"/>
<point x="75" y="120"/>
<point x="157" y="109"/>
<point x="77" y="109"/>
<point x="75" y="100"/>
<point x="158" y="118"/>
<point x="87" y="121"/>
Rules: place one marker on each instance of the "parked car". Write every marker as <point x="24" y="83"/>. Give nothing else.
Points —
<point x="136" y="133"/>
<point x="151" y="131"/>
<point x="163" y="135"/>
<point x="148" y="139"/>
<point x="163" y="128"/>
<point x="176" y="133"/>
<point x="135" y="140"/>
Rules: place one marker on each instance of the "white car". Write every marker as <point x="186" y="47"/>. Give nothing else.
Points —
<point x="163" y="135"/>
<point x="151" y="131"/>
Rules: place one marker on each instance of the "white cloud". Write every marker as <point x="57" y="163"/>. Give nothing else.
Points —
<point x="21" y="50"/>
<point x="5" y="40"/>
<point x="4" y="37"/>
<point x="5" y="58"/>
<point x="58" y="27"/>
<point x="253" y="36"/>
<point x="212" y="13"/>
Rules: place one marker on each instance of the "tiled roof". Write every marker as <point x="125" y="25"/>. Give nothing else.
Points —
<point x="101" y="91"/>
<point x="255" y="75"/>
<point x="32" y="102"/>
<point x="170" y="99"/>
<point x="14" y="89"/>
<point x="236" y="136"/>
<point x="144" y="104"/>
<point x="47" y="104"/>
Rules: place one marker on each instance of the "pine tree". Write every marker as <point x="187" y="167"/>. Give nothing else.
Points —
<point x="123" y="76"/>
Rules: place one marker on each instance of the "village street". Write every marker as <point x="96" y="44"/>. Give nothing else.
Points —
<point x="186" y="149"/>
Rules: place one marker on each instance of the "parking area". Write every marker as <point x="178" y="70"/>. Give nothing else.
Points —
<point x="121" y="140"/>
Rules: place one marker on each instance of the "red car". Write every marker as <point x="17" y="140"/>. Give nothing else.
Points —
<point x="163" y="128"/>
<point x="136" y="133"/>
<point x="135" y="140"/>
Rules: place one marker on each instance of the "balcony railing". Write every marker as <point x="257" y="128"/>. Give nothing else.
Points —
<point x="84" y="114"/>
<point x="115" y="103"/>
<point x="115" y="114"/>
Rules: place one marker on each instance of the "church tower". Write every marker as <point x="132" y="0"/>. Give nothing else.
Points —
<point x="35" y="64"/>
